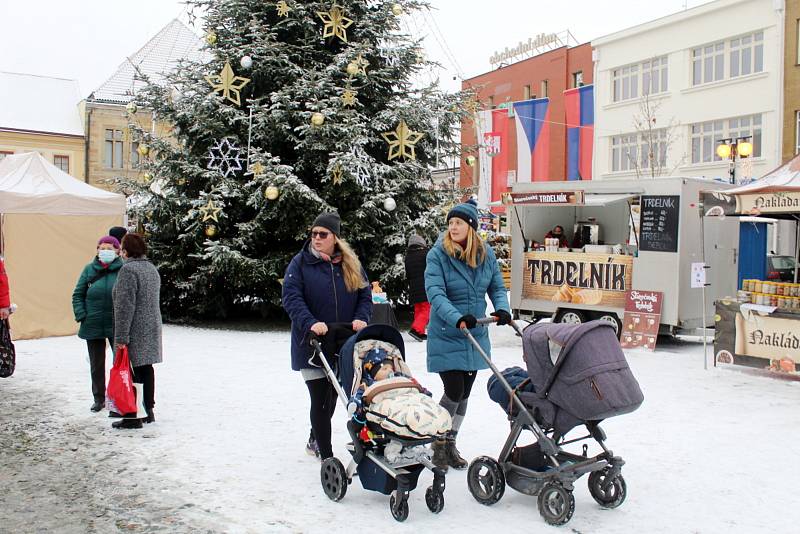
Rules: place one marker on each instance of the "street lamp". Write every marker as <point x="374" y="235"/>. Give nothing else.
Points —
<point x="731" y="148"/>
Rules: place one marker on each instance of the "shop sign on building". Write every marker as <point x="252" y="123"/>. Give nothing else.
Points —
<point x="778" y="202"/>
<point x="549" y="198"/>
<point x="577" y="278"/>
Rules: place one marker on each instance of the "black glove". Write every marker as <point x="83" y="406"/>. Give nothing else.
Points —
<point x="503" y="317"/>
<point x="469" y="320"/>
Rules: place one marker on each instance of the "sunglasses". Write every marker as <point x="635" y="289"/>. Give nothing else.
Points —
<point x="321" y="235"/>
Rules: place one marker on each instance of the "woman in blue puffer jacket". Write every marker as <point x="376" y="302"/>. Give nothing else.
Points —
<point x="460" y="272"/>
<point x="324" y="284"/>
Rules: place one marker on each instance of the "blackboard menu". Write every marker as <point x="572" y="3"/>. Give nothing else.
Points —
<point x="658" y="229"/>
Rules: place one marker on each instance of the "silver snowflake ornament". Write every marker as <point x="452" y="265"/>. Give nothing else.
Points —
<point x="225" y="157"/>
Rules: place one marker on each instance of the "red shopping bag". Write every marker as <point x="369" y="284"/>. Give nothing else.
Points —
<point x="120" y="392"/>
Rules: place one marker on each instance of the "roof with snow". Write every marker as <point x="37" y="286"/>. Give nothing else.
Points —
<point x="784" y="178"/>
<point x="155" y="59"/>
<point x="39" y="104"/>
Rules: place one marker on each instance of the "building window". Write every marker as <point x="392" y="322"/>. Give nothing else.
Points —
<point x="491" y="102"/>
<point x="708" y="63"/>
<point x="526" y="92"/>
<point x="634" y="150"/>
<point x="577" y="79"/>
<point x="62" y="162"/>
<point x="707" y="135"/>
<point x="625" y="81"/>
<point x="747" y="54"/>
<point x="113" y="149"/>
<point x="545" y="93"/>
<point x="4" y="153"/>
<point x="796" y="133"/>
<point x="655" y="76"/>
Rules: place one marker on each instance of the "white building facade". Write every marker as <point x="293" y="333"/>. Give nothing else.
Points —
<point x="707" y="74"/>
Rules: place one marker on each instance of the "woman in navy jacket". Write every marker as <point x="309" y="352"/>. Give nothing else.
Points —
<point x="461" y="271"/>
<point x="324" y="283"/>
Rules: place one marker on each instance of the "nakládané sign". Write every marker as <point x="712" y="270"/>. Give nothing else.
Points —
<point x="593" y="279"/>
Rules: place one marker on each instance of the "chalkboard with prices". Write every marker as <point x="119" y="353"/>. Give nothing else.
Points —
<point x="658" y="229"/>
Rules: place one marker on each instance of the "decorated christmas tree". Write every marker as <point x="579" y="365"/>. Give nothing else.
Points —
<point x="299" y="107"/>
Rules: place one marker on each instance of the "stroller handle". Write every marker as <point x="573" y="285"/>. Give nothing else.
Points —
<point x="491" y="320"/>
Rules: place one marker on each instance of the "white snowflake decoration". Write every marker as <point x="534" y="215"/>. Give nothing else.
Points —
<point x="361" y="169"/>
<point x="225" y="157"/>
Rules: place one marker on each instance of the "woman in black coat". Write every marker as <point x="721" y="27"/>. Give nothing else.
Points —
<point x="415" y="272"/>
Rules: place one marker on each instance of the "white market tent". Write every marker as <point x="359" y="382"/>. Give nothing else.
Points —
<point x="49" y="229"/>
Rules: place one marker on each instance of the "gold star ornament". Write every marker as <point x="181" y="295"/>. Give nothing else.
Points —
<point x="336" y="23"/>
<point x="361" y="64"/>
<point x="257" y="169"/>
<point x="337" y="175"/>
<point x="349" y="98"/>
<point x="210" y="211"/>
<point x="283" y="9"/>
<point x="228" y="84"/>
<point x="402" y="141"/>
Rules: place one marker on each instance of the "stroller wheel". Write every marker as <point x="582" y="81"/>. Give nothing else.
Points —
<point x="556" y="504"/>
<point x="434" y="499"/>
<point x="607" y="493"/>
<point x="334" y="479"/>
<point x="486" y="480"/>
<point x="399" y="509"/>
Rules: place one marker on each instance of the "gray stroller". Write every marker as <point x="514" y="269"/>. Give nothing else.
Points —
<point x="576" y="375"/>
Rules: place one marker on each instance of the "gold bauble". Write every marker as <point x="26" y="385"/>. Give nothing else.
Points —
<point x="271" y="192"/>
<point x="211" y="38"/>
<point x="397" y="9"/>
<point x="143" y="150"/>
<point x="131" y="107"/>
<point x="470" y="161"/>
<point x="147" y="177"/>
<point x="210" y="230"/>
<point x="317" y="119"/>
<point x="352" y="68"/>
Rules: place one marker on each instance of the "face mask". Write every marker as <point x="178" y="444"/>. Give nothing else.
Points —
<point x="106" y="256"/>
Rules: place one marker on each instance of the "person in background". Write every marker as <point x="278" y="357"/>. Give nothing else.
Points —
<point x="118" y="232"/>
<point x="93" y="306"/>
<point x="5" y="298"/>
<point x="558" y="233"/>
<point x="461" y="271"/>
<point x="415" y="273"/>
<point x="324" y="284"/>
<point x="137" y="321"/>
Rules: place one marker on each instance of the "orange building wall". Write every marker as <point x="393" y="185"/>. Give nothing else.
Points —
<point x="507" y="84"/>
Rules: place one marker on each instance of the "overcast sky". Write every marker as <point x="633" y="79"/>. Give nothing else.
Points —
<point x="88" y="39"/>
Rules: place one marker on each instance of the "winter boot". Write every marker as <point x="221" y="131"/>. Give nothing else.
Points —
<point x="454" y="458"/>
<point x="440" y="457"/>
<point x="127" y="423"/>
<point x="151" y="416"/>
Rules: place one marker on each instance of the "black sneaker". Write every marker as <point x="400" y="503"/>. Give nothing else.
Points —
<point x="127" y="423"/>
<point x="97" y="406"/>
<point x="416" y="335"/>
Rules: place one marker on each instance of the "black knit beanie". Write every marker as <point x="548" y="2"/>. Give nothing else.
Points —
<point x="329" y="220"/>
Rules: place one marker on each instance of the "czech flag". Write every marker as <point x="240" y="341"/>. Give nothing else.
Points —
<point x="533" y="139"/>
<point x="579" y="103"/>
<point x="493" y="131"/>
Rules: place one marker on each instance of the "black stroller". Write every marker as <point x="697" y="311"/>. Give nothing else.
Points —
<point x="578" y="375"/>
<point x="384" y="462"/>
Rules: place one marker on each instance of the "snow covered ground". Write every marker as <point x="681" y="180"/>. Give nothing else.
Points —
<point x="709" y="451"/>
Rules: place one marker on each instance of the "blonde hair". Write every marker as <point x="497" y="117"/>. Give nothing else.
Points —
<point x="473" y="254"/>
<point x="351" y="266"/>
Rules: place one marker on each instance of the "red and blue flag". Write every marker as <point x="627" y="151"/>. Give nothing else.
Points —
<point x="579" y="103"/>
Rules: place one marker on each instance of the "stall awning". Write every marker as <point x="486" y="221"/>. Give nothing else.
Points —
<point x="604" y="199"/>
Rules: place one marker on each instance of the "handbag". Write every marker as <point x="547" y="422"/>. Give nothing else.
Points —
<point x="120" y="393"/>
<point x="8" y="355"/>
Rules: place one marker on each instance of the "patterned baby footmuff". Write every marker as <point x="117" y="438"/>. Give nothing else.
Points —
<point x="399" y="406"/>
<point x="8" y="357"/>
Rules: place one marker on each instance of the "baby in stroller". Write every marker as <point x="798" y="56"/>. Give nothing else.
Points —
<point x="388" y="395"/>
<point x="392" y="422"/>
